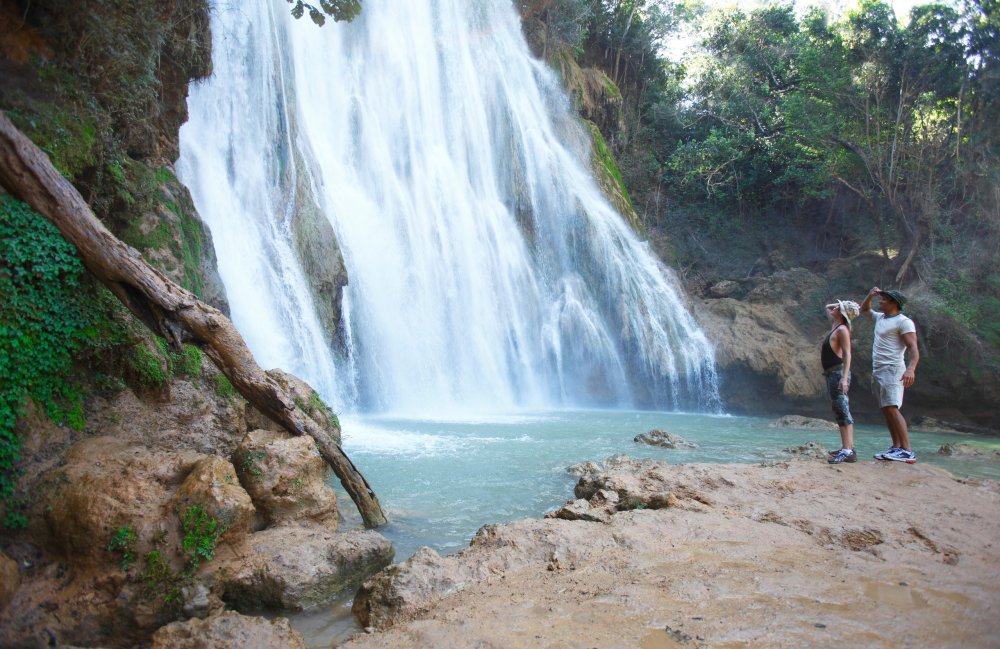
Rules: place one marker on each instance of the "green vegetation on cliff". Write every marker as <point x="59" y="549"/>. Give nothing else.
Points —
<point x="45" y="318"/>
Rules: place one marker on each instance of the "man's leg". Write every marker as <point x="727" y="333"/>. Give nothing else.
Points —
<point x="897" y="427"/>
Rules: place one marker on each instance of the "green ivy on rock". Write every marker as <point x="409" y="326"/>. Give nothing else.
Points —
<point x="43" y="322"/>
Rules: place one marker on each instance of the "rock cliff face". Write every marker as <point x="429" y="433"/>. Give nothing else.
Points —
<point x="768" y="331"/>
<point x="175" y="501"/>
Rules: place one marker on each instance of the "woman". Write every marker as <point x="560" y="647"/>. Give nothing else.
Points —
<point x="835" y="355"/>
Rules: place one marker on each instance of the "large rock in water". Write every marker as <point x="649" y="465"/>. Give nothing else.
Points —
<point x="664" y="439"/>
<point x="229" y="630"/>
<point x="805" y="423"/>
<point x="295" y="568"/>
<point x="286" y="479"/>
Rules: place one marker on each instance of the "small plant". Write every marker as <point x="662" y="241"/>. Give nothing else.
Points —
<point x="157" y="571"/>
<point x="190" y="361"/>
<point x="147" y="366"/>
<point x="201" y="535"/>
<point x="316" y="403"/>
<point x="224" y="388"/>
<point x="122" y="543"/>
<point x="251" y="462"/>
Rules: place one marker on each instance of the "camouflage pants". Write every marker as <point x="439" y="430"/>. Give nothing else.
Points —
<point x="838" y="398"/>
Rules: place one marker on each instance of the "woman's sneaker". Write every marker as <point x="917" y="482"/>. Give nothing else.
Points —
<point x="843" y="455"/>
<point x="884" y="455"/>
<point x="902" y="455"/>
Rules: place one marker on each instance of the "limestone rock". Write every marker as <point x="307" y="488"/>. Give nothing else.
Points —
<point x="725" y="288"/>
<point x="784" y="285"/>
<point x="764" y="340"/>
<point x="106" y="485"/>
<point x="664" y="439"/>
<point x="212" y="484"/>
<point x="229" y="630"/>
<point x="190" y="415"/>
<point x="10" y="579"/>
<point x="969" y="450"/>
<point x="644" y="484"/>
<point x="809" y="449"/>
<point x="583" y="468"/>
<point x="403" y="590"/>
<point x="309" y="401"/>
<point x="581" y="510"/>
<point x="295" y="568"/>
<point x="806" y="423"/>
<point x="399" y="591"/>
<point x="286" y="479"/>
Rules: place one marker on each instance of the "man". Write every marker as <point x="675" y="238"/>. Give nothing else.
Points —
<point x="835" y="356"/>
<point x="894" y="335"/>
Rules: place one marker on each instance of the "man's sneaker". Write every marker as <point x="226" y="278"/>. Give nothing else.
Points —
<point x="902" y="455"/>
<point x="843" y="455"/>
<point x="884" y="455"/>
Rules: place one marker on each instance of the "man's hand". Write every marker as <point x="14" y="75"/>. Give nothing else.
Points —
<point x="875" y="291"/>
<point x="909" y="378"/>
<point x="845" y="384"/>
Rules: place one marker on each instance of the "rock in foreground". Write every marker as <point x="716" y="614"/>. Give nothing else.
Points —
<point x="227" y="631"/>
<point x="792" y="554"/>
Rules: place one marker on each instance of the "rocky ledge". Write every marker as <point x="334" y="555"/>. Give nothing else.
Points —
<point x="789" y="554"/>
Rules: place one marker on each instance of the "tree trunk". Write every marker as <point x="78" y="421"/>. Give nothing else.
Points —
<point x="166" y="308"/>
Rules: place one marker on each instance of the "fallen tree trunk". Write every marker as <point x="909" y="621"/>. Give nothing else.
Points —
<point x="166" y="308"/>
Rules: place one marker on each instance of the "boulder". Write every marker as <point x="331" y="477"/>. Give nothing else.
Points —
<point x="405" y="589"/>
<point x="664" y="439"/>
<point x="969" y="451"/>
<point x="286" y="478"/>
<point x="805" y="423"/>
<point x="296" y="568"/>
<point x="642" y="484"/>
<point x="105" y="486"/>
<point x="229" y="630"/>
<point x="10" y="579"/>
<point x="725" y="288"/>
<point x="599" y="509"/>
<point x="809" y="449"/>
<point x="212" y="484"/>
<point x="188" y="415"/>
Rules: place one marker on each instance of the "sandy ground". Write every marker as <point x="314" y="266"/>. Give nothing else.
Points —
<point x="796" y="554"/>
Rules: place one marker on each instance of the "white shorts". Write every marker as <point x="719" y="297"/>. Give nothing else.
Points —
<point x="887" y="384"/>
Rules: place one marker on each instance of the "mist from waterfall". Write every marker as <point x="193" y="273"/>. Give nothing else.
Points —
<point x="486" y="269"/>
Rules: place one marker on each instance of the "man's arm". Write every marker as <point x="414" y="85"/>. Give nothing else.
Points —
<point x="910" y="375"/>
<point x="866" y="306"/>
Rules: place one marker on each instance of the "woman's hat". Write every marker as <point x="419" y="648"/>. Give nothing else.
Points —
<point x="848" y="308"/>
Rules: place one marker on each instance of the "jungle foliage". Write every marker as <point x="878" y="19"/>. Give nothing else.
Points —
<point x="799" y="129"/>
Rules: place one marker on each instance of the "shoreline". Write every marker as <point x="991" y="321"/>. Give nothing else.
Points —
<point x="789" y="553"/>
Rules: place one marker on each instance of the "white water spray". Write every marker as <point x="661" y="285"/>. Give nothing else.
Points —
<point x="487" y="271"/>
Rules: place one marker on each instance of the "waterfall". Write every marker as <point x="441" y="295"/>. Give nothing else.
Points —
<point x="486" y="270"/>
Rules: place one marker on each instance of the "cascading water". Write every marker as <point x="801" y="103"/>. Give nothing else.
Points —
<point x="486" y="269"/>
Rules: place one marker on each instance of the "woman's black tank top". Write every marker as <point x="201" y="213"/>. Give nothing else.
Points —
<point x="829" y="357"/>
